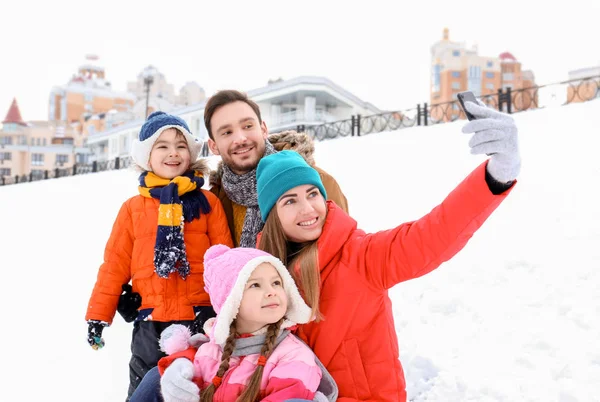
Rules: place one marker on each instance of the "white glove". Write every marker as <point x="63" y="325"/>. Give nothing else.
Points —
<point x="496" y="135"/>
<point x="176" y="382"/>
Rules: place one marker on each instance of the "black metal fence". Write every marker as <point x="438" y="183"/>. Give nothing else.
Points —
<point x="509" y="101"/>
<point x="77" y="169"/>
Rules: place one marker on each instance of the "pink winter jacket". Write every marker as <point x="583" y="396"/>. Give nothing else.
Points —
<point x="290" y="372"/>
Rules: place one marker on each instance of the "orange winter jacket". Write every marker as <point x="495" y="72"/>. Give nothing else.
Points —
<point x="129" y="255"/>
<point x="357" y="340"/>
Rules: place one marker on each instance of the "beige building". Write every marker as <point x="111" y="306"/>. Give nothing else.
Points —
<point x="37" y="146"/>
<point x="456" y="67"/>
<point x="87" y="93"/>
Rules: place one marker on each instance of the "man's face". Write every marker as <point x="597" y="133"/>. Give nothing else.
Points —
<point x="238" y="136"/>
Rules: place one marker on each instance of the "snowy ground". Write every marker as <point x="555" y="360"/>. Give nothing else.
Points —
<point x="513" y="317"/>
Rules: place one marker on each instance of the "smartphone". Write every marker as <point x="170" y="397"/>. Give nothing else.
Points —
<point x="466" y="97"/>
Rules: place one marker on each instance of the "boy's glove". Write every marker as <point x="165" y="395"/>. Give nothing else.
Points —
<point x="95" y="333"/>
<point x="496" y="134"/>
<point x="129" y="303"/>
<point x="176" y="382"/>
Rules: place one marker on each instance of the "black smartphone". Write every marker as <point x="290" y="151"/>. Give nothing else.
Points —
<point x="466" y="97"/>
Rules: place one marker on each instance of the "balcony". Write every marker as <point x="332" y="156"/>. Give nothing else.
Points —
<point x="297" y="116"/>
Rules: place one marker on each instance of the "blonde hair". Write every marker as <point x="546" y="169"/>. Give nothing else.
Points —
<point x="303" y="265"/>
<point x="252" y="391"/>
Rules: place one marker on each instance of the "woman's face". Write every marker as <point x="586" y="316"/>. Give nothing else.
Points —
<point x="302" y="211"/>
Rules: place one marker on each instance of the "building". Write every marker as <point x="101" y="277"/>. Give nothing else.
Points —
<point x="456" y="67"/>
<point x="284" y="104"/>
<point x="153" y="92"/>
<point x="87" y="93"/>
<point x="37" y="146"/>
<point x="584" y="84"/>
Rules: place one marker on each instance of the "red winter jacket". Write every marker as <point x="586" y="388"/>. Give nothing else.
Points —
<point x="357" y="340"/>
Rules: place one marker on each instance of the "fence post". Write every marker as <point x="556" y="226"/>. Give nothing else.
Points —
<point x="46" y="174"/>
<point x="358" y="125"/>
<point x="16" y="179"/>
<point x="56" y="173"/>
<point x="74" y="169"/>
<point x="94" y="167"/>
<point x="3" y="181"/>
<point x="352" y="124"/>
<point x="30" y="176"/>
<point x="425" y="112"/>
<point x="117" y="163"/>
<point x="418" y="114"/>
<point x="505" y="98"/>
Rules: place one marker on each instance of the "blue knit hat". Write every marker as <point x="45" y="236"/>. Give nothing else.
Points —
<point x="281" y="172"/>
<point x="156" y="123"/>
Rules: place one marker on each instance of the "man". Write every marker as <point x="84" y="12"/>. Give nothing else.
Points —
<point x="240" y="136"/>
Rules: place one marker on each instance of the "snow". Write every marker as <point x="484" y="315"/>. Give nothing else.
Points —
<point x="513" y="317"/>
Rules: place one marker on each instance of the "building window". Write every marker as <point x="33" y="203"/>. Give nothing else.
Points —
<point x="456" y="85"/>
<point x="68" y="141"/>
<point x="5" y="156"/>
<point x="44" y="142"/>
<point x="4" y="172"/>
<point x="5" y="140"/>
<point x="435" y="78"/>
<point x="489" y="85"/>
<point x="61" y="159"/>
<point x="38" y="142"/>
<point x="32" y="141"/>
<point x="37" y="159"/>
<point x="489" y="74"/>
<point x="455" y="74"/>
<point x="490" y="64"/>
<point x="22" y="140"/>
<point x="474" y="80"/>
<point x="9" y="127"/>
<point x="91" y="129"/>
<point x="456" y="53"/>
<point x="508" y="77"/>
<point x="39" y="173"/>
<point x="88" y="96"/>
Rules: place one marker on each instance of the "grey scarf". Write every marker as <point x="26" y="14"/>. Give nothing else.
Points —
<point x="241" y="189"/>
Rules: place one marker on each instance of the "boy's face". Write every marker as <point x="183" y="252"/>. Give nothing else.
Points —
<point x="264" y="300"/>
<point x="238" y="136"/>
<point x="170" y="155"/>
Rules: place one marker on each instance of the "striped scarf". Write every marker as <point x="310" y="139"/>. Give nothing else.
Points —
<point x="180" y="201"/>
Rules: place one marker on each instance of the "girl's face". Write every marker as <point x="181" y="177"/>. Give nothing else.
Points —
<point x="264" y="301"/>
<point x="170" y="155"/>
<point x="302" y="211"/>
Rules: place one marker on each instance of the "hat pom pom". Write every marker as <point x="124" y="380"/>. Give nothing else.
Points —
<point x="154" y="114"/>
<point x="215" y="251"/>
<point x="175" y="338"/>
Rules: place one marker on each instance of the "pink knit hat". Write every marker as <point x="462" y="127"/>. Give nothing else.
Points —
<point x="226" y="272"/>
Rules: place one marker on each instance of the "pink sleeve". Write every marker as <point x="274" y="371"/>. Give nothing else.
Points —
<point x="295" y="375"/>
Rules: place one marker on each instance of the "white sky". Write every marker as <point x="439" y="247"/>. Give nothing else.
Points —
<point x="379" y="50"/>
<point x="512" y="317"/>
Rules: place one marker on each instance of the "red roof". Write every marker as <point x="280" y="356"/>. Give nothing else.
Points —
<point x="14" y="115"/>
<point x="507" y="55"/>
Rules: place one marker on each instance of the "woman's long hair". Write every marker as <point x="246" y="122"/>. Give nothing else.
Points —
<point x="252" y="391"/>
<point x="303" y="265"/>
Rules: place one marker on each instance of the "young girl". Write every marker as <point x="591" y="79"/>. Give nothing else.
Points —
<point x="344" y="273"/>
<point x="251" y="353"/>
<point x="158" y="241"/>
